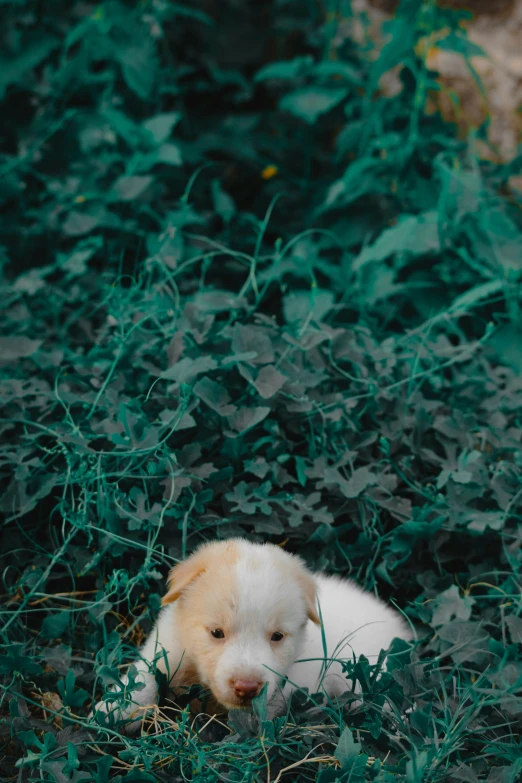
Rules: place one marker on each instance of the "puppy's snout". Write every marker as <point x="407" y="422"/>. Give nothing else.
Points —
<point x="246" y="689"/>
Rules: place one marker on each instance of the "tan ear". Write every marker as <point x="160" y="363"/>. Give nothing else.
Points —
<point x="309" y="588"/>
<point x="183" y="574"/>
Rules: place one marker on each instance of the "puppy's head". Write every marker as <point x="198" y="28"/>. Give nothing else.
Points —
<point x="241" y="611"/>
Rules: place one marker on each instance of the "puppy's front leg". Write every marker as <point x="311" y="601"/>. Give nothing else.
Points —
<point x="161" y="651"/>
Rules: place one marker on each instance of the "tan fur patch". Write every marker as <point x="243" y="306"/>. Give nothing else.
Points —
<point x="206" y="595"/>
<point x="309" y="589"/>
<point x="186" y="675"/>
<point x="206" y="557"/>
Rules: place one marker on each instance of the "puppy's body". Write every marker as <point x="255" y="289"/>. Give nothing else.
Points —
<point x="239" y="615"/>
<point x="354" y="622"/>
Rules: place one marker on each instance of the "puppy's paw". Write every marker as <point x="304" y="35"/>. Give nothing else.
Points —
<point x="124" y="717"/>
<point x="125" y="708"/>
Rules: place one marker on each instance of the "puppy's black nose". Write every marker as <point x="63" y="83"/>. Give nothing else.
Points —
<point x="246" y="689"/>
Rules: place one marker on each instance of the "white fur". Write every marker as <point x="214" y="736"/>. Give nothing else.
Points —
<point x="268" y="598"/>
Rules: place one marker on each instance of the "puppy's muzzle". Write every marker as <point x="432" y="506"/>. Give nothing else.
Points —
<point x="246" y="690"/>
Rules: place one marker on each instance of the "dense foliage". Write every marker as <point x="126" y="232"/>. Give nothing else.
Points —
<point x="245" y="292"/>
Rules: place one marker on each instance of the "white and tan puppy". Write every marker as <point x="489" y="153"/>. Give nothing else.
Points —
<point x="238" y="615"/>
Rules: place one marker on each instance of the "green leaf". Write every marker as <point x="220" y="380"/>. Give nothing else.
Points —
<point x="506" y="343"/>
<point x="44" y="746"/>
<point x="73" y="762"/>
<point x="269" y="381"/>
<point x="285" y="69"/>
<point x="477" y="294"/>
<point x="347" y="748"/>
<point x="133" y="134"/>
<point x="417" y="766"/>
<point x="168" y="247"/>
<point x="215" y="396"/>
<point x="352" y="761"/>
<point x="111" y="676"/>
<point x="55" y="625"/>
<point x="22" y="496"/>
<point x="400" y="47"/>
<point x="17" y="347"/>
<point x="13" y="69"/>
<point x="460" y="44"/>
<point x="160" y="126"/>
<point x="170" y="154"/>
<point x="129" y="188"/>
<point x="223" y="203"/>
<point x="246" y="418"/>
<point x="139" y="67"/>
<point x="309" y="103"/>
<point x="301" y="308"/>
<point x="71" y="696"/>
<point x="300" y="465"/>
<point x="413" y="235"/>
<point x="13" y="660"/>
<point x="514" y="624"/>
<point x="75" y="263"/>
<point x="449" y="605"/>
<point x="32" y="281"/>
<point x="359" y="481"/>
<point x="59" y="657"/>
<point x="259" y="467"/>
<point x="338" y="68"/>
<point x="250" y="341"/>
<point x="103" y="766"/>
<point x="362" y="177"/>
<point x="242" y="498"/>
<point x="185" y="370"/>
<point x="504" y="241"/>
<point x="249" y="499"/>
<point x="78" y="223"/>
<point x="480" y="521"/>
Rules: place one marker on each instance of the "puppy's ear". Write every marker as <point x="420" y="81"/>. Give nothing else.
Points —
<point x="309" y="588"/>
<point x="183" y="574"/>
<point x="223" y="553"/>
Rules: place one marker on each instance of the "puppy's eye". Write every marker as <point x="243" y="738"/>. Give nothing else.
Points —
<point x="217" y="633"/>
<point x="277" y="636"/>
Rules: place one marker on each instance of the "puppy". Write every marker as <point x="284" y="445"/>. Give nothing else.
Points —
<point x="238" y="616"/>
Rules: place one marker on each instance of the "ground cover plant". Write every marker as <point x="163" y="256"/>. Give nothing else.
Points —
<point x="247" y="293"/>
